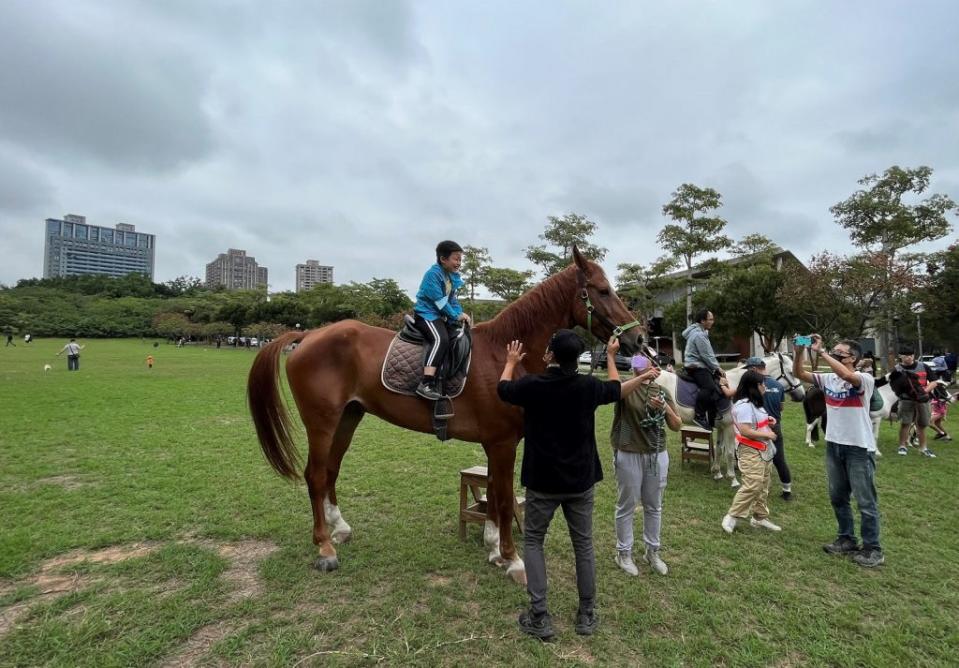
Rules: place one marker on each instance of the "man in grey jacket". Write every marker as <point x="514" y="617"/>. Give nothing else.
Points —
<point x="699" y="361"/>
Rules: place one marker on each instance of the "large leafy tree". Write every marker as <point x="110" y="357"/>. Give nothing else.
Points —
<point x="697" y="230"/>
<point x="507" y="284"/>
<point x="561" y="235"/>
<point x="476" y="260"/>
<point x="639" y="285"/>
<point x="941" y="298"/>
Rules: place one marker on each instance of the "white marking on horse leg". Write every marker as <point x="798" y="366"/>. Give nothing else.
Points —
<point x="491" y="539"/>
<point x="516" y="570"/>
<point x="340" y="531"/>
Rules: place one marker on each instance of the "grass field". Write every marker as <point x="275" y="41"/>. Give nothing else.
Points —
<point x="142" y="526"/>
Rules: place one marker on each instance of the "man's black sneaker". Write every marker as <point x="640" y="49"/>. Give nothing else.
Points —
<point x="702" y="422"/>
<point x="787" y="496"/>
<point x="869" y="558"/>
<point x="841" y="546"/>
<point x="586" y="623"/>
<point x="427" y="391"/>
<point x="539" y="627"/>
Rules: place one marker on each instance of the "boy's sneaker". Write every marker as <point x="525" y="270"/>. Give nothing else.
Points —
<point x="841" y="546"/>
<point x="764" y="523"/>
<point x="427" y="391"/>
<point x="624" y="559"/>
<point x="903" y="450"/>
<point x="869" y="558"/>
<point x="787" y="495"/>
<point x="729" y="523"/>
<point x="586" y="623"/>
<point x="539" y="627"/>
<point x="702" y="422"/>
<point x="939" y="437"/>
<point x="928" y="453"/>
<point x="652" y="558"/>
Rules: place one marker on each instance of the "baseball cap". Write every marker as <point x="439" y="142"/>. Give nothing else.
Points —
<point x="755" y="361"/>
<point x="566" y="346"/>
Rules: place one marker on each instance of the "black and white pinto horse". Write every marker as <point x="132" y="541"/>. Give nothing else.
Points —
<point x="779" y="367"/>
<point x="814" y="406"/>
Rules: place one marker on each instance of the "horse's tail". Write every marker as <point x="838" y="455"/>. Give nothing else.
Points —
<point x="270" y="416"/>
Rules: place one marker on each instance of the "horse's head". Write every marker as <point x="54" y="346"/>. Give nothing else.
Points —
<point x="779" y="367"/>
<point x="597" y="305"/>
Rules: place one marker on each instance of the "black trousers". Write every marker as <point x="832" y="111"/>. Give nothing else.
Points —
<point x="779" y="461"/>
<point x="438" y="332"/>
<point x="709" y="392"/>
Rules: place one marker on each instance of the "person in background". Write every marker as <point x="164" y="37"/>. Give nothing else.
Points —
<point x="72" y="349"/>
<point x="641" y="463"/>
<point x="699" y="361"/>
<point x="149" y="361"/>
<point x="939" y="402"/>
<point x="910" y="381"/>
<point x="773" y="404"/>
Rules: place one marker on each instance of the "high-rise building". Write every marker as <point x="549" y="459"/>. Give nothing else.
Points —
<point x="72" y="247"/>
<point x="235" y="270"/>
<point x="311" y="274"/>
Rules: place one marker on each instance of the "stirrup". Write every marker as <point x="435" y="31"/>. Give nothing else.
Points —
<point x="443" y="409"/>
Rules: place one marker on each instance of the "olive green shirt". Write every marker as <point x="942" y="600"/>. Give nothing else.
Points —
<point x="628" y="433"/>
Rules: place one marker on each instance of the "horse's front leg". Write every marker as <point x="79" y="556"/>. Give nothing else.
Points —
<point x="500" y="512"/>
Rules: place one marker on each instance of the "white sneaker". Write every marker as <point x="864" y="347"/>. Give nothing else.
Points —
<point x="624" y="560"/>
<point x="764" y="523"/>
<point x="729" y="523"/>
<point x="651" y="557"/>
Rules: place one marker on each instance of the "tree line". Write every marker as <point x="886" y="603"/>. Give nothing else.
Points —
<point x="757" y="290"/>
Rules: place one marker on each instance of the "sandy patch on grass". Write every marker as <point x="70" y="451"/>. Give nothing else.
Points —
<point x="437" y="580"/>
<point x="244" y="557"/>
<point x="197" y="646"/>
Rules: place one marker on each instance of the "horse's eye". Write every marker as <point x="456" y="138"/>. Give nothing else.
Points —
<point x="604" y="292"/>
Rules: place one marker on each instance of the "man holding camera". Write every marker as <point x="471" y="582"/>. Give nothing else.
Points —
<point x="850" y="446"/>
<point x="699" y="361"/>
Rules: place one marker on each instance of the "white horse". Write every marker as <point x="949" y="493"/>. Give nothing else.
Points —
<point x="815" y="406"/>
<point x="779" y="367"/>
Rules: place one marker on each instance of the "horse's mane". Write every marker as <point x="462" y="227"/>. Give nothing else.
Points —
<point x="539" y="305"/>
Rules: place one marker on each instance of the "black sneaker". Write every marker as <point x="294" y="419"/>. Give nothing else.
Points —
<point x="938" y="437"/>
<point x="427" y="391"/>
<point x="702" y="422"/>
<point x="787" y="495"/>
<point x="869" y="558"/>
<point x="841" y="546"/>
<point x="539" y="627"/>
<point x="586" y="623"/>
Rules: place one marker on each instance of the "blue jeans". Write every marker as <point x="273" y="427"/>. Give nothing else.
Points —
<point x="852" y="469"/>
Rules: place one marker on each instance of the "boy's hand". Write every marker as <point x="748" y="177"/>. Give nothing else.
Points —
<point x="657" y="402"/>
<point x="772" y="421"/>
<point x="514" y="353"/>
<point x="612" y="347"/>
<point x="464" y="317"/>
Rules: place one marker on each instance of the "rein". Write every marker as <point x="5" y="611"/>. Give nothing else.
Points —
<point x="783" y="376"/>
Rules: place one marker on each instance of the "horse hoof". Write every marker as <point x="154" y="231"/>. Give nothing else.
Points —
<point x="340" y="537"/>
<point x="517" y="572"/>
<point x="734" y="484"/>
<point x="326" y="564"/>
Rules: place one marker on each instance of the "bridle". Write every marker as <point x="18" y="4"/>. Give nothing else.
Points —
<point x="790" y="384"/>
<point x="618" y="330"/>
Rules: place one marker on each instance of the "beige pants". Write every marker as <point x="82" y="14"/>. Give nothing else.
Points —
<point x="753" y="495"/>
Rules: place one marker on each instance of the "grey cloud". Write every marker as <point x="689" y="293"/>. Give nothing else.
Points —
<point x="23" y="186"/>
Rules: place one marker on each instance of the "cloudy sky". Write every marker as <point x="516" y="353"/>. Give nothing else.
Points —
<point x="359" y="133"/>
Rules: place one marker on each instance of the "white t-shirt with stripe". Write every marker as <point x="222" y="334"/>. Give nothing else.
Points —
<point x="847" y="409"/>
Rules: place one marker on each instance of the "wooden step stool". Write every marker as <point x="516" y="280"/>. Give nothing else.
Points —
<point x="472" y="481"/>
<point x="696" y="444"/>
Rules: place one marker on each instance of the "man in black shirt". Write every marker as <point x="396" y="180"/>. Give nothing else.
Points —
<point x="560" y="465"/>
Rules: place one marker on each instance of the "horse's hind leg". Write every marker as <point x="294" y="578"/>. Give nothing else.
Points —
<point x="340" y="531"/>
<point x="320" y="431"/>
<point x="501" y="459"/>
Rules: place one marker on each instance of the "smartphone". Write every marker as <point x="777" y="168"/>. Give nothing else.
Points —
<point x="803" y="340"/>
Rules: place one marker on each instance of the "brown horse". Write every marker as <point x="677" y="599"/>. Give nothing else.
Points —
<point x="334" y="375"/>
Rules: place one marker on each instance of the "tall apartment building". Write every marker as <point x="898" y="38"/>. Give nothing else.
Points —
<point x="312" y="273"/>
<point x="235" y="270"/>
<point x="72" y="247"/>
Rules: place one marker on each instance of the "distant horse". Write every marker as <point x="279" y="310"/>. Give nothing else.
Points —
<point x="815" y="407"/>
<point x="334" y="375"/>
<point x="779" y="367"/>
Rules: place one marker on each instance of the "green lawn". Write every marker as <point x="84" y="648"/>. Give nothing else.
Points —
<point x="211" y="552"/>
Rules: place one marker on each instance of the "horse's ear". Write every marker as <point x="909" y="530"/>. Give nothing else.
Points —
<point x="580" y="261"/>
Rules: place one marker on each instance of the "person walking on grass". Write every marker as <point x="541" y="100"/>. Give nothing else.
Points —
<point x="10" y="341"/>
<point x="560" y="465"/>
<point x="641" y="463"/>
<point x="850" y="447"/>
<point x="754" y="451"/>
<point x="773" y="404"/>
<point x="910" y="381"/>
<point x="72" y="349"/>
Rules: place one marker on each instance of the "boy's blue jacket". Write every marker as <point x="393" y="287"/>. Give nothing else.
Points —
<point x="437" y="295"/>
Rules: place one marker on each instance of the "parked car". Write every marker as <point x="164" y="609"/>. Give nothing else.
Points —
<point x="254" y="342"/>
<point x="622" y="362"/>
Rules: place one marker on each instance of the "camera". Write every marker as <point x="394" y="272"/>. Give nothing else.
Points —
<point x="803" y="340"/>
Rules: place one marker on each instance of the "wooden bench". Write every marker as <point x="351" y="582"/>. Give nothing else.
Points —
<point x="473" y="483"/>
<point x="696" y="444"/>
